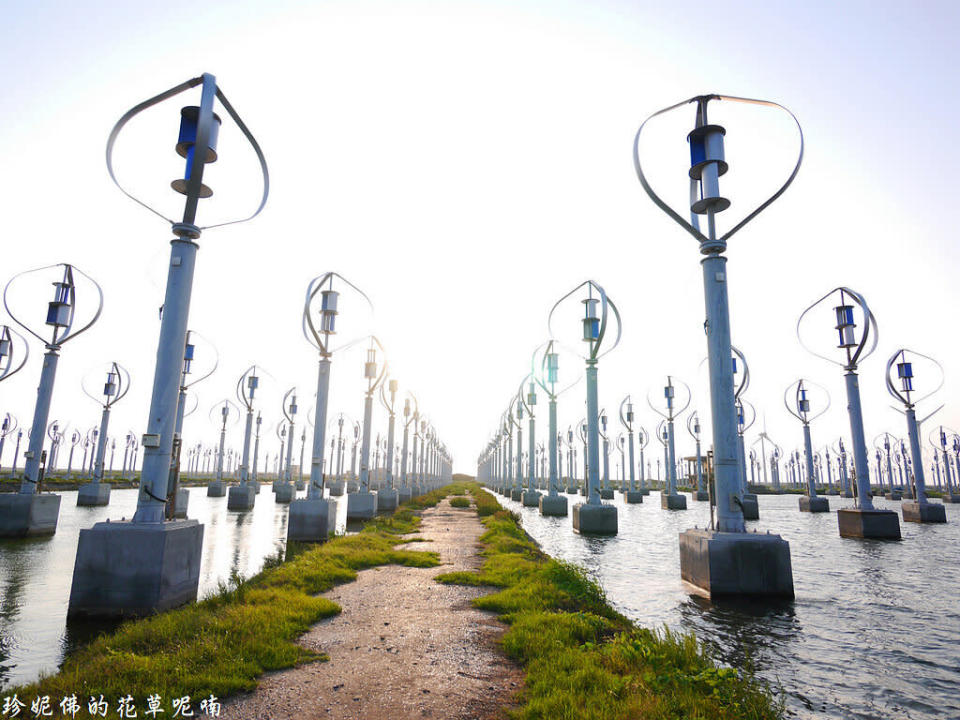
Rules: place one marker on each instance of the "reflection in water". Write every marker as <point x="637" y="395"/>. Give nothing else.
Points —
<point x="35" y="574"/>
<point x="872" y="632"/>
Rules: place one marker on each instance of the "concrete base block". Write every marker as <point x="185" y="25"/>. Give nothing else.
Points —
<point x="181" y="503"/>
<point x="877" y="524"/>
<point x="531" y="498"/>
<point x="847" y="494"/>
<point x="352" y="486"/>
<point x="361" y="506"/>
<point x="93" y="494"/>
<point x="309" y="520"/>
<point x="256" y="487"/>
<point x="814" y="504"/>
<point x="606" y="493"/>
<point x="516" y="495"/>
<point x="950" y="498"/>
<point x="285" y="492"/>
<point x="28" y="515"/>
<point x="276" y="484"/>
<point x="404" y="494"/>
<point x="895" y="495"/>
<point x="633" y="496"/>
<point x="126" y="569"/>
<point x="387" y="500"/>
<point x="301" y="485"/>
<point x="721" y="563"/>
<point x="673" y="502"/>
<point x="700" y="495"/>
<point x="216" y="488"/>
<point x="833" y="492"/>
<point x="553" y="505"/>
<point x="923" y="512"/>
<point x="595" y="519"/>
<point x="241" y="497"/>
<point x="336" y="487"/>
<point x="750" y="507"/>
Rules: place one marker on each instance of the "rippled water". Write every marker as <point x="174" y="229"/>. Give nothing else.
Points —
<point x="35" y="574"/>
<point x="874" y="631"/>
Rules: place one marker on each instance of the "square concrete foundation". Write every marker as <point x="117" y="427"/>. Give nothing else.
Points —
<point x="876" y="524"/>
<point x="28" y="515"/>
<point x="516" y="495"/>
<point x="950" y="498"/>
<point x="308" y="520"/>
<point x="352" y="486"/>
<point x="256" y="487"/>
<point x="361" y="506"/>
<point x="895" y="495"/>
<point x="700" y="495"/>
<point x="673" y="502"/>
<point x="923" y="513"/>
<point x="276" y="484"/>
<point x="285" y="492"/>
<point x="181" y="503"/>
<point x="241" y="497"/>
<point x="387" y="500"/>
<point x="216" y="488"/>
<point x="847" y="494"/>
<point x="633" y="496"/>
<point x="403" y="494"/>
<point x="90" y="494"/>
<point x="301" y="484"/>
<point x="750" y="507"/>
<point x="336" y="487"/>
<point x="595" y="519"/>
<point x="126" y="569"/>
<point x="606" y="493"/>
<point x="725" y="564"/>
<point x="531" y="498"/>
<point x="814" y="504"/>
<point x="553" y="505"/>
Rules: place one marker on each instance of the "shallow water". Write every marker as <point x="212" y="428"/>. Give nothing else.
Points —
<point x="35" y="574"/>
<point x="874" y="631"/>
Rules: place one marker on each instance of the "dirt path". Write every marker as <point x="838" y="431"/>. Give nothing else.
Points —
<point x="403" y="647"/>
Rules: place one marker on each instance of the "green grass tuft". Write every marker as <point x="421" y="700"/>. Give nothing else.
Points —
<point x="584" y="660"/>
<point x="460" y="502"/>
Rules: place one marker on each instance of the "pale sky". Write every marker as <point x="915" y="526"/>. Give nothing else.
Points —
<point x="468" y="163"/>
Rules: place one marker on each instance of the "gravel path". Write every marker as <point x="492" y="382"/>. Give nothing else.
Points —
<point x="404" y="646"/>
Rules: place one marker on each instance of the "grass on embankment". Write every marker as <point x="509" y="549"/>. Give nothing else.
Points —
<point x="222" y="644"/>
<point x="583" y="659"/>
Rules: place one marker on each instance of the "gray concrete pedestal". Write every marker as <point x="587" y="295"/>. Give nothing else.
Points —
<point x="28" y="515"/>
<point x="516" y="495"/>
<point x="336" y="487"/>
<point x="90" y="494"/>
<point x="877" y="524"/>
<point x="595" y="519"/>
<point x="284" y="492"/>
<point x="241" y="497"/>
<point x="721" y="563"/>
<point x="403" y="494"/>
<point x="700" y="495"/>
<point x="126" y="569"/>
<point x="633" y="496"/>
<point x="361" y="506"/>
<point x="923" y="512"/>
<point x="276" y="484"/>
<point x="894" y="495"/>
<point x="750" y="506"/>
<point x="387" y="499"/>
<point x="673" y="502"/>
<point x="531" y="498"/>
<point x="181" y="503"/>
<point x="301" y="485"/>
<point x="606" y="493"/>
<point x="950" y="498"/>
<point x="553" y="505"/>
<point x="216" y="488"/>
<point x="308" y="520"/>
<point x="352" y="486"/>
<point x="814" y="504"/>
<point x="256" y="487"/>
